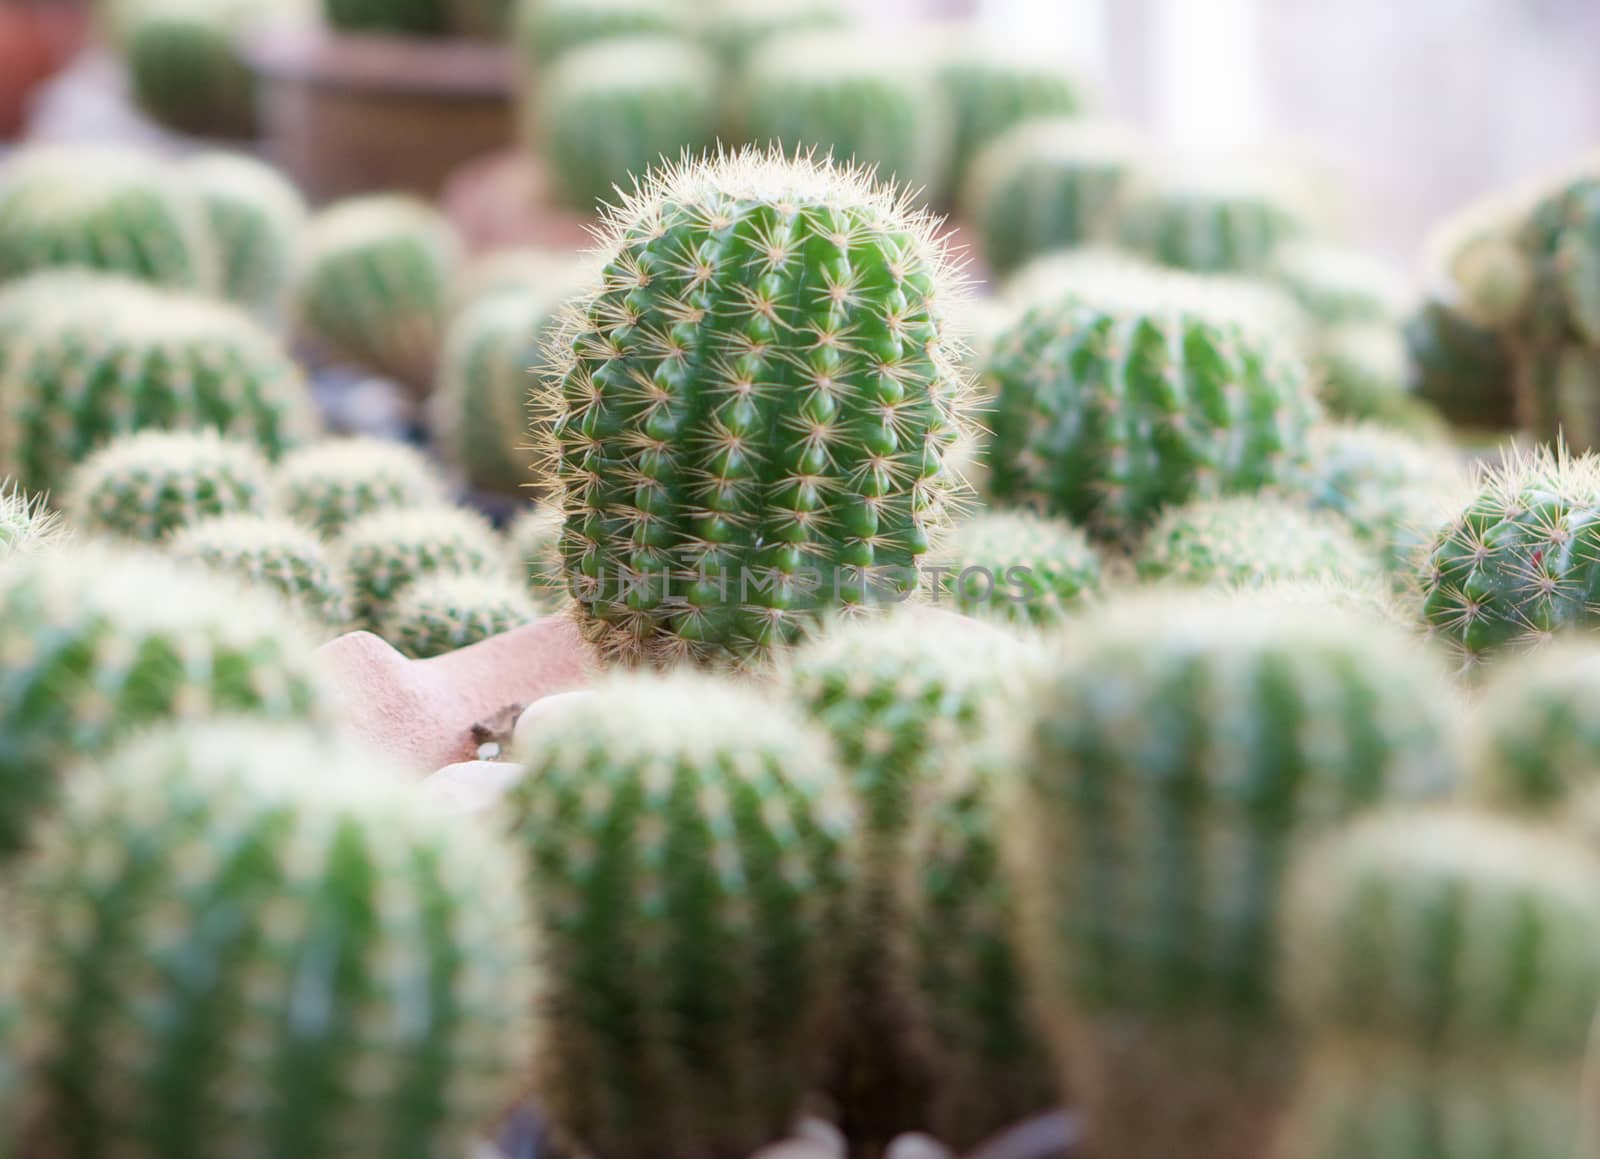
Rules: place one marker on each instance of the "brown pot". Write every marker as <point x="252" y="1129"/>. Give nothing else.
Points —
<point x="37" y="39"/>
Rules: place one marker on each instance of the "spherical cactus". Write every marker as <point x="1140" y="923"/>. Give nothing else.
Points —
<point x="1180" y="752"/>
<point x="387" y="551"/>
<point x="185" y="67"/>
<point x="714" y="838"/>
<point x="26" y="523"/>
<point x="439" y="615"/>
<point x="374" y="284"/>
<point x="751" y="438"/>
<point x="534" y="542"/>
<point x="1340" y="287"/>
<point x="1460" y="367"/>
<point x="101" y="643"/>
<point x="1537" y="739"/>
<point x="1363" y="372"/>
<point x="610" y="113"/>
<point x="262" y="939"/>
<point x="144" y="486"/>
<point x="1048" y="184"/>
<point x="1212" y="224"/>
<point x="403" y="17"/>
<point x="1136" y="392"/>
<point x="122" y="357"/>
<point x="272" y="554"/>
<point x="1479" y="260"/>
<point x="1019" y="567"/>
<point x="735" y="30"/>
<point x="329" y="485"/>
<point x="102" y="208"/>
<point x="546" y="30"/>
<point x="258" y="219"/>
<point x="1247" y="541"/>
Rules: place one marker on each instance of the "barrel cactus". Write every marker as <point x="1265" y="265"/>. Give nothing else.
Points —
<point x="1249" y="541"/>
<point x="1020" y="568"/>
<point x="1338" y="286"/>
<point x="1537" y="742"/>
<point x="329" y="485"/>
<point x="185" y="66"/>
<point x="272" y="554"/>
<point x="353" y="964"/>
<point x="389" y="550"/>
<point x="751" y="437"/>
<point x="1364" y="373"/>
<point x="547" y="30"/>
<point x="439" y="615"/>
<point x="26" y="523"/>
<point x="713" y="838"/>
<point x="1217" y="223"/>
<point x="258" y="219"/>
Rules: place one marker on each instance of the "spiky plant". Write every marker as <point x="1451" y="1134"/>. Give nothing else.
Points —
<point x="1246" y="541"/>
<point x="247" y="939"/>
<point x="1338" y="286"/>
<point x="1460" y="367"/>
<point x="736" y="30"/>
<point x="400" y="17"/>
<point x="330" y="484"/>
<point x="611" y="112"/>
<point x="689" y="875"/>
<point x="439" y="615"/>
<point x="1019" y="567"/>
<point x="258" y="219"/>
<point x="752" y="409"/>
<point x="1131" y="391"/>
<point x="272" y="554"/>
<point x="387" y="551"/>
<point x="1210" y="221"/>
<point x="534" y="543"/>
<point x="119" y="357"/>
<point x="1047" y="184"/>
<point x="26" y="523"/>
<point x="374" y="284"/>
<point x="185" y="66"/>
<point x="547" y="30"/>
<point x="1537" y="731"/>
<point x="101" y="643"/>
<point x="1181" y="751"/>
<point x="104" y="208"/>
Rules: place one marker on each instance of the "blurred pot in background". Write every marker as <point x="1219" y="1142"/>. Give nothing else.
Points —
<point x="37" y="39"/>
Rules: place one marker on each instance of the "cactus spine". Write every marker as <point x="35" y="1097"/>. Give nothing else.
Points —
<point x="329" y="485"/>
<point x="387" y="551"/>
<point x="1245" y="541"/>
<point x="258" y="219"/>
<point x="272" y="554"/>
<point x="1019" y="567"/>
<point x="26" y="524"/>
<point x="439" y="615"/>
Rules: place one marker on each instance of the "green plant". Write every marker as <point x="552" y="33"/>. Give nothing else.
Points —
<point x="329" y="485"/>
<point x="1537" y="733"/>
<point x="26" y="523"/>
<point x="400" y="17"/>
<point x="1249" y="540"/>
<point x="1135" y="390"/>
<point x="546" y="30"/>
<point x="1019" y="567"/>
<point x="1214" y="223"/>
<point x="119" y="357"/>
<point x="1363" y="372"/>
<point x="757" y="433"/>
<point x="102" y="208"/>
<point x="272" y="554"/>
<point x="689" y="874"/>
<point x="101" y="643"/>
<point x="1049" y="183"/>
<point x="1176" y="757"/>
<point x="247" y="939"/>
<point x="258" y="219"/>
<point x="735" y="30"/>
<point x="439" y="615"/>
<point x="387" y="551"/>
<point x="534" y="540"/>
<point x="374" y="284"/>
<point x="1460" y="367"/>
<point x="1338" y="286"/>
<point x="185" y="67"/>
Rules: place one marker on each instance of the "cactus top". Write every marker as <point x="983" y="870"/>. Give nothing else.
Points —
<point x="357" y="223"/>
<point x="753" y="409"/>
<point x="1337" y="286"/>
<point x="329" y="484"/>
<point x="26" y="524"/>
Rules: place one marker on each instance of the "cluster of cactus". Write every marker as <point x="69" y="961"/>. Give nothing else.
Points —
<point x="329" y="485"/>
<point x="1213" y="224"/>
<point x="1248" y="541"/>
<point x="27" y="525"/>
<point x="273" y="554"/>
<point x="1019" y="567"/>
<point x="547" y="30"/>
<point x="257" y="219"/>
<point x="185" y="67"/>
<point x="254" y="936"/>
<point x="441" y="614"/>
<point x="753" y="410"/>
<point x="388" y="551"/>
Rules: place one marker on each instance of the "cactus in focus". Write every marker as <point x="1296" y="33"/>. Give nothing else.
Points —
<point x="1444" y="971"/>
<point x="1212" y="224"/>
<point x="329" y="485"/>
<point x="258" y="219"/>
<point x="439" y="615"/>
<point x="263" y="939"/>
<point x="399" y="17"/>
<point x="185" y="68"/>
<point x="271" y="554"/>
<point x="1460" y="367"/>
<point x="374" y="284"/>
<point x="1537" y="740"/>
<point x="389" y="550"/>
<point x="547" y="30"/>
<point x="534" y="540"/>
<point x="1133" y="391"/>
<point x="1181" y="751"/>
<point x="119" y="357"/>
<point x="1340" y="287"/>
<point x="752" y="437"/>
<point x="1247" y="541"/>
<point x="26" y="523"/>
<point x="1019" y="567"/>
<point x="713" y="836"/>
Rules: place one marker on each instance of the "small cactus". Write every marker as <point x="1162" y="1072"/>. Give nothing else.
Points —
<point x="272" y="554"/>
<point x="689" y="877"/>
<point x="534" y="542"/>
<point x="329" y="485"/>
<point x="1364" y="373"/>
<point x="143" y="486"/>
<point x="1247" y="541"/>
<point x="26" y="523"/>
<point x="1340" y="287"/>
<point x="258" y="219"/>
<point x="389" y="550"/>
<point x="1212" y="224"/>
<point x="185" y="67"/>
<point x="1538" y="731"/>
<point x="261" y="939"/>
<point x="439" y="615"/>
<point x="1019" y="567"/>
<point x="546" y="30"/>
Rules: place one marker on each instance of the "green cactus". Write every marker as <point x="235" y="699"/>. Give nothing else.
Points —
<point x="1557" y="388"/>
<point x="146" y="485"/>
<point x="120" y="357"/>
<point x="389" y="550"/>
<point x="1048" y="184"/>
<point x="1247" y="541"/>
<point x="1477" y="257"/>
<point x="258" y="219"/>
<point x="185" y="66"/>
<point x="1138" y="390"/>
<point x="27" y="524"/>
<point x="547" y="30"/>
<point x="1364" y="373"/>
<point x="751" y="437"/>
<point x="374" y="284"/>
<point x="1212" y="224"/>
<point x="534" y="542"/>
<point x="1018" y="567"/>
<point x="1445" y="971"/>
<point x="689" y="876"/>
<point x="248" y="939"/>
<point x="1537" y="730"/>
<point x="329" y="485"/>
<point x="103" y="208"/>
<point x="1181" y="751"/>
<point x="272" y="554"/>
<point x="1460" y="367"/>
<point x="735" y="30"/>
<point x="398" y="17"/>
<point x="1338" y="286"/>
<point x="101" y="643"/>
<point x="439" y="615"/>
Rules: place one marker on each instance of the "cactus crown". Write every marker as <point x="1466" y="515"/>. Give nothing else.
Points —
<point x="388" y="550"/>
<point x="26" y="523"/>
<point x="1247" y="541"/>
<point x="441" y="614"/>
<point x="328" y="485"/>
<point x="1338" y="286"/>
<point x="273" y="554"/>
<point x="1197" y="216"/>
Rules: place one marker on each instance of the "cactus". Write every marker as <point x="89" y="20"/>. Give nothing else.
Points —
<point x="534" y="540"/>
<point x="1081" y="382"/>
<point x="399" y="17"/>
<point x="751" y="437"/>
<point x="1445" y="971"/>
<point x="1247" y="541"/>
<point x="689" y="878"/>
<point x="1019" y="567"/>
<point x="258" y="219"/>
<point x="1047" y="184"/>
<point x="736" y="30"/>
<point x="143" y="486"/>
<point x="439" y="615"/>
<point x="1212" y="224"/>
<point x="27" y="525"/>
<point x="1537" y="732"/>
<point x="120" y="357"/>
<point x="1476" y="258"/>
<point x="1352" y="597"/>
<point x="547" y="30"/>
<point x="1460" y="367"/>
<point x="386" y="552"/>
<point x="250" y="940"/>
<point x="1340" y="287"/>
<point x="272" y="554"/>
<point x="1557" y="387"/>
<point x="101" y="643"/>
<point x="102" y="208"/>
<point x="185" y="67"/>
<point x="611" y="112"/>
<point x="1364" y="374"/>
<point x="374" y="284"/>
<point x="1182" y="750"/>
<point x="329" y="485"/>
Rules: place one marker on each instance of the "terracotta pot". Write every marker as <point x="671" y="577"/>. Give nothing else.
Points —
<point x="37" y="39"/>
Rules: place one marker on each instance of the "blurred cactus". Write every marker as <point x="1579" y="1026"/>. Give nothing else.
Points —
<point x="400" y="17"/>
<point x="389" y="550"/>
<point x="735" y="30"/>
<point x="439" y="615"/>
<point x="1460" y="367"/>
<point x="534" y="542"/>
<point x="330" y="484"/>
<point x="1364" y="374"/>
<point x="546" y="30"/>
<point x="1214" y="223"/>
<point x="1340" y="287"/>
<point x="1537" y="743"/>
<point x="1247" y="541"/>
<point x="258" y="219"/>
<point x="272" y="554"/>
<point x="184" y="64"/>
<point x="1019" y="567"/>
